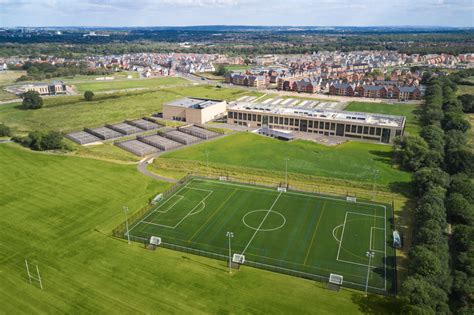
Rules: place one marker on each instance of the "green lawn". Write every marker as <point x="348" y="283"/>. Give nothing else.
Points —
<point x="58" y="212"/>
<point x="68" y="113"/>
<point x="317" y="235"/>
<point x="408" y="110"/>
<point x="356" y="161"/>
<point x="98" y="86"/>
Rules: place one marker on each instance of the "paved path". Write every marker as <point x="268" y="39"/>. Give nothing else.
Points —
<point x="142" y="168"/>
<point x="142" y="165"/>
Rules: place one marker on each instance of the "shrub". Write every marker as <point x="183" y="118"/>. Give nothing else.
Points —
<point x="89" y="95"/>
<point x="4" y="130"/>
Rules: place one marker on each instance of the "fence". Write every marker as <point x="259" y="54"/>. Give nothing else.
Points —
<point x="302" y="182"/>
<point x="121" y="232"/>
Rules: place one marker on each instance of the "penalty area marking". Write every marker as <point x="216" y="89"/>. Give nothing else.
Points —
<point x="264" y="230"/>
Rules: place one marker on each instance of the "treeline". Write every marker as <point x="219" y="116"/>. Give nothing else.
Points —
<point x="441" y="262"/>
<point x="41" y="71"/>
<point x="243" y="43"/>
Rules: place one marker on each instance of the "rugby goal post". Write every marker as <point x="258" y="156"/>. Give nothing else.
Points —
<point x="335" y="282"/>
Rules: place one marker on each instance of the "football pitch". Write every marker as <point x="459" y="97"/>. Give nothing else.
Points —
<point x="297" y="233"/>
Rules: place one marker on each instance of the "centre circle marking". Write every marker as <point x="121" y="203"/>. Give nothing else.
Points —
<point x="264" y="230"/>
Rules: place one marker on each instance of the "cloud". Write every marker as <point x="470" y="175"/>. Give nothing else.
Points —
<point x="254" y="12"/>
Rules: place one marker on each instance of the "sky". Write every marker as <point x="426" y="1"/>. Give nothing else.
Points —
<point x="236" y="12"/>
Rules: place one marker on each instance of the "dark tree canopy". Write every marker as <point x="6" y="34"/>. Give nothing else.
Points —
<point x="32" y="100"/>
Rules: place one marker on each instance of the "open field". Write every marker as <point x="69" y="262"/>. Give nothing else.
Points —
<point x="311" y="235"/>
<point x="68" y="113"/>
<point x="99" y="86"/>
<point x="8" y="78"/>
<point x="58" y="212"/>
<point x="408" y="110"/>
<point x="465" y="89"/>
<point x="356" y="161"/>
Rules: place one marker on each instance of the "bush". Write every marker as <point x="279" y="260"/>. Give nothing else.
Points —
<point x="4" y="130"/>
<point x="89" y="95"/>
<point x="32" y="100"/>
<point x="42" y="141"/>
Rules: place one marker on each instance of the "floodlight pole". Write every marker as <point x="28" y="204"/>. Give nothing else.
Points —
<point x="230" y="235"/>
<point x="369" y="254"/>
<point x="125" y="210"/>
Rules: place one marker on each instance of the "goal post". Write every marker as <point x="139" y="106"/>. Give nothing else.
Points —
<point x="281" y="189"/>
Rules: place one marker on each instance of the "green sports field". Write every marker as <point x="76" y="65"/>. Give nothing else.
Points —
<point x="297" y="233"/>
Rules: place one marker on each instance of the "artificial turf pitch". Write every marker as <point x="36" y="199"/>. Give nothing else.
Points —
<point x="298" y="232"/>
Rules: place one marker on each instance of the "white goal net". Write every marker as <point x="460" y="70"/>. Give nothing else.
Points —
<point x="238" y="259"/>
<point x="281" y="189"/>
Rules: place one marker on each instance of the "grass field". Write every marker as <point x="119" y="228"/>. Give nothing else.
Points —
<point x="356" y="161"/>
<point x="8" y="78"/>
<point x="465" y="89"/>
<point x="311" y="234"/>
<point x="408" y="110"/>
<point x="99" y="86"/>
<point x="58" y="212"/>
<point x="73" y="112"/>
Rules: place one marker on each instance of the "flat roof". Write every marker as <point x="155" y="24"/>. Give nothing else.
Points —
<point x="192" y="102"/>
<point x="345" y="116"/>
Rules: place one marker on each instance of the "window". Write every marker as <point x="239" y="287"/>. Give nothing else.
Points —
<point x="372" y="130"/>
<point x="366" y="130"/>
<point x="259" y="117"/>
<point x="230" y="114"/>
<point x="254" y="117"/>
<point x="327" y="126"/>
<point x="240" y="115"/>
<point x="245" y="116"/>
<point x="286" y="121"/>
<point x="310" y="123"/>
<point x="359" y="129"/>
<point x="281" y="121"/>
<point x="297" y="122"/>
<point x="271" y="119"/>
<point x="378" y="131"/>
<point x="353" y="128"/>
<point x="321" y="125"/>
<point x="292" y="122"/>
<point x="333" y="126"/>
<point x="348" y="128"/>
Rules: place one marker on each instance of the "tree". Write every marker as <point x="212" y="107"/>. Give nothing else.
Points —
<point x="459" y="209"/>
<point x="424" y="262"/>
<point x="88" y="95"/>
<point x="4" y="130"/>
<point x="423" y="297"/>
<point x="32" y="100"/>
<point x="467" y="101"/>
<point x="454" y="120"/>
<point x="411" y="152"/>
<point x="430" y="233"/>
<point x="426" y="178"/>
<point x="221" y="70"/>
<point x="41" y="141"/>
<point x="461" y="183"/>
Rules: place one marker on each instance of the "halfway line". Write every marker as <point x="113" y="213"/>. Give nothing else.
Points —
<point x="261" y="223"/>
